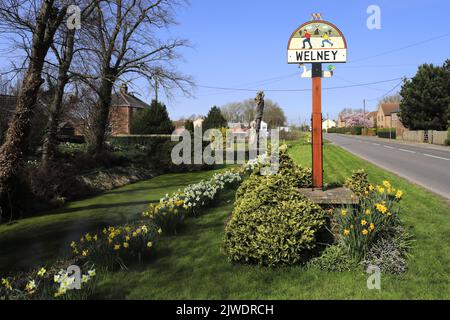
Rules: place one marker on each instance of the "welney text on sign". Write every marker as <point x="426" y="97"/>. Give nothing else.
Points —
<point x="317" y="41"/>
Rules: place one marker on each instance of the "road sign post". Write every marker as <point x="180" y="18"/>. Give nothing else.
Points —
<point x="316" y="140"/>
<point x="317" y="42"/>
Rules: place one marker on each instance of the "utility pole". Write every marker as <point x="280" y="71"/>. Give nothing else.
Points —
<point x="156" y="89"/>
<point x="364" y="102"/>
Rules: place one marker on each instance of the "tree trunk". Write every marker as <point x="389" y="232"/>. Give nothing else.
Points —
<point x="50" y="140"/>
<point x="11" y="152"/>
<point x="101" y="116"/>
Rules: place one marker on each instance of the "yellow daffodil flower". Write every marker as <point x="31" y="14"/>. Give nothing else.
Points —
<point x="365" y="232"/>
<point x="41" y="272"/>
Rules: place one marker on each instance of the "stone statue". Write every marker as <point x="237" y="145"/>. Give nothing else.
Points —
<point x="259" y="112"/>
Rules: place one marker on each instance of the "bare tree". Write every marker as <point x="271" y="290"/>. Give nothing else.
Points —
<point x="125" y="45"/>
<point x="64" y="50"/>
<point x="43" y="18"/>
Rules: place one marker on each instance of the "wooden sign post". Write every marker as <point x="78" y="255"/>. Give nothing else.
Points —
<point x="317" y="42"/>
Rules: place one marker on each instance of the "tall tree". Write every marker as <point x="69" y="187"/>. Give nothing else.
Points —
<point x="64" y="51"/>
<point x="425" y="101"/>
<point x="14" y="16"/>
<point x="245" y="111"/>
<point x="124" y="34"/>
<point x="154" y="120"/>
<point x="214" y="120"/>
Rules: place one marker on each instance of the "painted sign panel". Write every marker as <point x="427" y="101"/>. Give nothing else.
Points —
<point x="317" y="41"/>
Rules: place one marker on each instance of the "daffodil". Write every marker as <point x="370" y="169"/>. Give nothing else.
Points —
<point x="381" y="207"/>
<point x="368" y="212"/>
<point x="30" y="287"/>
<point x="372" y="226"/>
<point x="41" y="272"/>
<point x="159" y="230"/>
<point x="85" y="253"/>
<point x="126" y="245"/>
<point x="387" y="184"/>
<point x="399" y="194"/>
<point x="91" y="273"/>
<point x="346" y="232"/>
<point x="365" y="232"/>
<point x="6" y="284"/>
<point x="117" y="247"/>
<point x="149" y="244"/>
<point x="363" y="222"/>
<point x="344" y="212"/>
<point x="60" y="292"/>
<point x="85" y="278"/>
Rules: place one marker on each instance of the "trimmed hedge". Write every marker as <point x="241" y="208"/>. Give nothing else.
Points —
<point x="272" y="223"/>
<point x="387" y="133"/>
<point x="346" y="130"/>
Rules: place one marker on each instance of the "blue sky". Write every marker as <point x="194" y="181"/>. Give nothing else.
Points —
<point x="239" y="43"/>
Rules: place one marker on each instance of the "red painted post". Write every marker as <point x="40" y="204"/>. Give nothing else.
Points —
<point x="317" y="169"/>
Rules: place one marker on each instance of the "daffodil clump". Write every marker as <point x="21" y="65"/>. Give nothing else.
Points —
<point x="115" y="245"/>
<point x="44" y="284"/>
<point x="377" y="212"/>
<point x="171" y="210"/>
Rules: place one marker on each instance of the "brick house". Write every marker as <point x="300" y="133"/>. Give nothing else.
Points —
<point x="388" y="117"/>
<point x="123" y="107"/>
<point x="372" y="117"/>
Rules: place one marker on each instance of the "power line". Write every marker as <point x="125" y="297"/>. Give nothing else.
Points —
<point x="297" y="90"/>
<point x="401" y="48"/>
<point x="384" y="95"/>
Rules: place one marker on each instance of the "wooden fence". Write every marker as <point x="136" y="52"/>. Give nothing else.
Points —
<point x="427" y="136"/>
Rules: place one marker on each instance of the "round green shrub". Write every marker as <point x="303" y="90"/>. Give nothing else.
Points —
<point x="272" y="223"/>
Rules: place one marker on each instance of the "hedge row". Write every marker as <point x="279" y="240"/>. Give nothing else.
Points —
<point x="387" y="133"/>
<point x="142" y="140"/>
<point x="345" y="130"/>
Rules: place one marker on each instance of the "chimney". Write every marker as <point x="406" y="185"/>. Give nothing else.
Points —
<point x="124" y="88"/>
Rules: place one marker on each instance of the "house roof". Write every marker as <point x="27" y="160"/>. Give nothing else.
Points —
<point x="125" y="99"/>
<point x="8" y="103"/>
<point x="389" y="108"/>
<point x="372" y="114"/>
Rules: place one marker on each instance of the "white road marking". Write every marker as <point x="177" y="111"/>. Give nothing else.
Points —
<point x="430" y="155"/>
<point x="389" y="147"/>
<point x="404" y="150"/>
<point x="376" y="144"/>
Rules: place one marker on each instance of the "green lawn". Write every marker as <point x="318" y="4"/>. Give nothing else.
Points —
<point x="192" y="265"/>
<point x="33" y="241"/>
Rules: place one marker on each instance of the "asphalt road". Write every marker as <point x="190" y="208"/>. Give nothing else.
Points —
<point x="423" y="165"/>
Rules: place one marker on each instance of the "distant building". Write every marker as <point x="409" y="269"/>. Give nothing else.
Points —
<point x="372" y="117"/>
<point x="124" y="106"/>
<point x="341" y="121"/>
<point x="327" y="124"/>
<point x="198" y="122"/>
<point x="285" y="129"/>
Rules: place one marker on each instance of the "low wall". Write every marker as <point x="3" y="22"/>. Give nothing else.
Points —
<point x="429" y="136"/>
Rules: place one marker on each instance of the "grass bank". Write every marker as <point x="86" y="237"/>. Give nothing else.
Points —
<point x="191" y="265"/>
